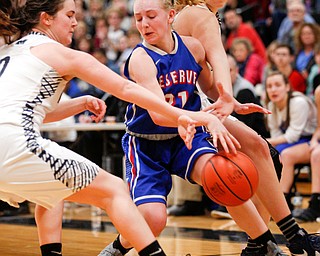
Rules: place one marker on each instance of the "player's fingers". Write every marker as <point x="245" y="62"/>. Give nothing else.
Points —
<point x="214" y="139"/>
<point x="234" y="141"/>
<point x="230" y="144"/>
<point x="223" y="143"/>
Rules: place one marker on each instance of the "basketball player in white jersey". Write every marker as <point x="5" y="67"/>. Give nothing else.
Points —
<point x="35" y="66"/>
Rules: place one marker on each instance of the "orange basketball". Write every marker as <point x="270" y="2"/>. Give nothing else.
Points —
<point x="230" y="179"/>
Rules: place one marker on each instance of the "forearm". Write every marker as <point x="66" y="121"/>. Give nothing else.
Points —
<point x="66" y="108"/>
<point x="201" y="118"/>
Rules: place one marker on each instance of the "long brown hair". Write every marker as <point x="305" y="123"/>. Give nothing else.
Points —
<point x="179" y="4"/>
<point x="17" y="20"/>
<point x="297" y="39"/>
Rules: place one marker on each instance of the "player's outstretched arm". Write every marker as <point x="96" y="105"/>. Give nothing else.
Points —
<point x="77" y="105"/>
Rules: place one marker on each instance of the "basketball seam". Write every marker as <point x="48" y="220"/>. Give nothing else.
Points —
<point x="251" y="189"/>
<point x="223" y="180"/>
<point x="204" y="184"/>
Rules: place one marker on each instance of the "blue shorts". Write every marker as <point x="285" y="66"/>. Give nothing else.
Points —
<point x="283" y="146"/>
<point x="150" y="164"/>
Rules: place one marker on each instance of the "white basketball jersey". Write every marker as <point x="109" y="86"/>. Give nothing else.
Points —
<point x="29" y="88"/>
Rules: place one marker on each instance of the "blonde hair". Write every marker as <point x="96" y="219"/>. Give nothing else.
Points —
<point x="241" y="40"/>
<point x="179" y="4"/>
<point x="167" y="4"/>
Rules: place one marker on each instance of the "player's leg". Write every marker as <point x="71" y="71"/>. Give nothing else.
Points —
<point x="257" y="149"/>
<point x="110" y="193"/>
<point x="49" y="225"/>
<point x="269" y="190"/>
<point x="246" y="215"/>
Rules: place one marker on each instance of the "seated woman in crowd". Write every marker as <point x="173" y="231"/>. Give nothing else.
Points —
<point x="312" y="81"/>
<point x="290" y="128"/>
<point x="312" y="212"/>
<point x="306" y="39"/>
<point x="250" y="64"/>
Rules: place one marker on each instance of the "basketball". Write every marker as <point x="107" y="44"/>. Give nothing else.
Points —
<point x="230" y="179"/>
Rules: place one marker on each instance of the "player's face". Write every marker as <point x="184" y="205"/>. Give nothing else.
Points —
<point x="152" y="20"/>
<point x="64" y="23"/>
<point x="277" y="89"/>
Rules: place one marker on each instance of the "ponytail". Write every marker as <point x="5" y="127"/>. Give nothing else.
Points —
<point x="8" y="22"/>
<point x="16" y="20"/>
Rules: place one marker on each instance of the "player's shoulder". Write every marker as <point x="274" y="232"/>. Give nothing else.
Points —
<point x="139" y="53"/>
<point x="192" y="43"/>
<point x="194" y="46"/>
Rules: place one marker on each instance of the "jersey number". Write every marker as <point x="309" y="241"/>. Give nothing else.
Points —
<point x="170" y="98"/>
<point x="3" y="64"/>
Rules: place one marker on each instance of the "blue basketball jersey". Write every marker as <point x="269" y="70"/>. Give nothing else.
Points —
<point x="177" y="75"/>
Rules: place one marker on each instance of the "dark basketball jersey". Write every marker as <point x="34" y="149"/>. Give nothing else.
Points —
<point x="177" y="75"/>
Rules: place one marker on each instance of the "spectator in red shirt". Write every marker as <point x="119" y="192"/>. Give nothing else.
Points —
<point x="237" y="28"/>
<point x="283" y="59"/>
<point x="250" y="64"/>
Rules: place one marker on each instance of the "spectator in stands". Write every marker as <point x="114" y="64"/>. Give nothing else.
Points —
<point x="84" y="44"/>
<point x="306" y="38"/>
<point x="115" y="32"/>
<point x="244" y="92"/>
<point x="290" y="128"/>
<point x="250" y="64"/>
<point x="313" y="211"/>
<point x="234" y="23"/>
<point x="247" y="13"/>
<point x="314" y="72"/>
<point x="80" y="32"/>
<point x="123" y="6"/>
<point x="126" y="45"/>
<point x="270" y="65"/>
<point x="283" y="58"/>
<point x="100" y="38"/>
<point x="296" y="16"/>
<point x="278" y="11"/>
<point x="95" y="11"/>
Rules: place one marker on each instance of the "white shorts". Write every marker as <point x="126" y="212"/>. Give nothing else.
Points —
<point x="39" y="170"/>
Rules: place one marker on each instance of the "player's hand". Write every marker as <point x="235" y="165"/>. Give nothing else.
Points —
<point x="248" y="108"/>
<point x="220" y="134"/>
<point x="97" y="107"/>
<point x="186" y="129"/>
<point x="223" y="107"/>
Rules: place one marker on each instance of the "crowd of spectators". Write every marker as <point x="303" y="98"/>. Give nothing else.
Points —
<point x="249" y="28"/>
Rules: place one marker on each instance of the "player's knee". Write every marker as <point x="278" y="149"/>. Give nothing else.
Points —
<point x="118" y="186"/>
<point x="261" y="144"/>
<point x="256" y="145"/>
<point x="156" y="220"/>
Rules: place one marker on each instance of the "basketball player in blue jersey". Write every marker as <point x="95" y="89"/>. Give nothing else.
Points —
<point x="35" y="66"/>
<point x="170" y="66"/>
